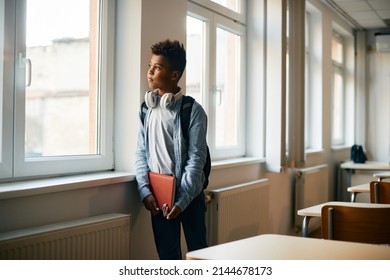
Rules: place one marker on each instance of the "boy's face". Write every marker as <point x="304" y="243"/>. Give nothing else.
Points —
<point x="160" y="75"/>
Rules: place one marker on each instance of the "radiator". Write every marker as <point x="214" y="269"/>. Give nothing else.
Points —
<point x="311" y="188"/>
<point x="238" y="212"/>
<point x="99" y="237"/>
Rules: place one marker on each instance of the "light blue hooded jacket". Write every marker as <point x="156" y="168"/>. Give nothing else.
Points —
<point x="189" y="157"/>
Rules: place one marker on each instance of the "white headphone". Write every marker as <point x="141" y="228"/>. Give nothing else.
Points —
<point x="168" y="100"/>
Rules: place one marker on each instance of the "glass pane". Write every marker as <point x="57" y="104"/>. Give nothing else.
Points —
<point x="230" y="4"/>
<point x="195" y="37"/>
<point x="2" y="25"/>
<point x="227" y="90"/>
<point x="338" y="105"/>
<point x="337" y="51"/>
<point x="62" y="100"/>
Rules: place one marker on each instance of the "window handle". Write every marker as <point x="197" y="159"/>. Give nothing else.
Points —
<point x="23" y="62"/>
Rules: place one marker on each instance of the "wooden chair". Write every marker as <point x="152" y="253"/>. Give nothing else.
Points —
<point x="356" y="224"/>
<point x="380" y="192"/>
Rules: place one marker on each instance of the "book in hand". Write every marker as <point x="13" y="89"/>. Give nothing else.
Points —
<point x="163" y="188"/>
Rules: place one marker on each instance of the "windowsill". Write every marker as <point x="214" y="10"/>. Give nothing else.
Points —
<point x="313" y="151"/>
<point x="66" y="183"/>
<point x="59" y="184"/>
<point x="227" y="163"/>
<point x="341" y="148"/>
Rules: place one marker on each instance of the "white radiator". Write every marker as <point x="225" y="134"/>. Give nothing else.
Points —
<point x="99" y="237"/>
<point x="311" y="188"/>
<point x="238" y="212"/>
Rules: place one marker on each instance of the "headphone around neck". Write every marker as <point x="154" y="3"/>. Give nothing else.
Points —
<point x="167" y="101"/>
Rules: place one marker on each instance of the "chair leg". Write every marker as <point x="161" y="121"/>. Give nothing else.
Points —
<point x="330" y="223"/>
<point x="376" y="192"/>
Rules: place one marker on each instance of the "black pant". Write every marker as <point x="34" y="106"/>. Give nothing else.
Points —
<point x="167" y="232"/>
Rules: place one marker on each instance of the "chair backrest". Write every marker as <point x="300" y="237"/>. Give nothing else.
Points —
<point x="380" y="192"/>
<point x="356" y="224"/>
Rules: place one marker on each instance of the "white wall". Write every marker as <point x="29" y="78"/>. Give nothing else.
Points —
<point x="139" y="24"/>
<point x="378" y="96"/>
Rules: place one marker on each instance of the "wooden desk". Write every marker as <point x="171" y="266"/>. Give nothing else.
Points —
<point x="284" y="247"/>
<point x="315" y="211"/>
<point x="355" y="190"/>
<point x="350" y="167"/>
<point x="382" y="175"/>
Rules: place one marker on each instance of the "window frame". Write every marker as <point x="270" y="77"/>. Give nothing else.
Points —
<point x="214" y="20"/>
<point x="339" y="69"/>
<point x="6" y="168"/>
<point x="313" y="80"/>
<point x="22" y="167"/>
<point x="239" y="16"/>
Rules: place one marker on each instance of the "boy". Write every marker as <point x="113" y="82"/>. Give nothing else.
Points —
<point x="161" y="148"/>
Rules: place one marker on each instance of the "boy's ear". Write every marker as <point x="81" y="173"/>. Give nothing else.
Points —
<point x="175" y="75"/>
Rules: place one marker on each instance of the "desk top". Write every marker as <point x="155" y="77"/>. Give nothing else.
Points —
<point x="284" y="247"/>
<point x="315" y="211"/>
<point x="360" y="188"/>
<point x="382" y="175"/>
<point x="369" y="165"/>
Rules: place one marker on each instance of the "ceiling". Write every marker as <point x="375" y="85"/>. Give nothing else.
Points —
<point x="364" y="14"/>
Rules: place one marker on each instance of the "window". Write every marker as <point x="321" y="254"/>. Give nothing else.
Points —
<point x="215" y="77"/>
<point x="62" y="87"/>
<point x="313" y="79"/>
<point x="338" y="96"/>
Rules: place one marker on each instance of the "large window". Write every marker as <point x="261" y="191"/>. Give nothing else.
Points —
<point x="338" y="90"/>
<point x="216" y="78"/>
<point x="59" y="97"/>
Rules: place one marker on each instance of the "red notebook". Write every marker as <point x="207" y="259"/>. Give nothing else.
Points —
<point x="163" y="188"/>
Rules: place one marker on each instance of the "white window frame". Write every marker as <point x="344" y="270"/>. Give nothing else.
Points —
<point x="339" y="68"/>
<point x="275" y="85"/>
<point x="239" y="16"/>
<point x="314" y="111"/>
<point x="17" y="165"/>
<point x="214" y="20"/>
<point x="7" y="111"/>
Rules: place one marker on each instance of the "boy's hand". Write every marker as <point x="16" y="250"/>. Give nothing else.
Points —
<point x="173" y="214"/>
<point x="150" y="203"/>
<point x="165" y="210"/>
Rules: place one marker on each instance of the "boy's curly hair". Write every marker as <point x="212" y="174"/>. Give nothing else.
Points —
<point x="175" y="53"/>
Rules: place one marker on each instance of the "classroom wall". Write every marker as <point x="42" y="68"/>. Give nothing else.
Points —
<point x="378" y="101"/>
